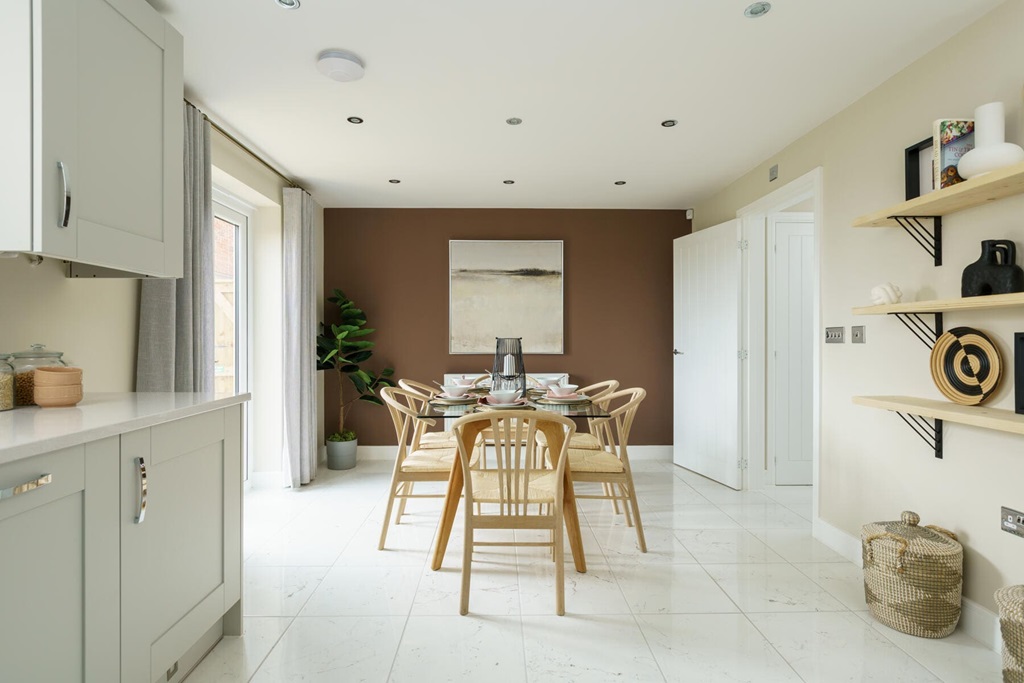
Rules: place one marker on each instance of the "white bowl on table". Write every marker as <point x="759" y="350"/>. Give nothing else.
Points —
<point x="504" y="396"/>
<point x="455" y="390"/>
<point x="562" y="389"/>
<point x="463" y="381"/>
<point x="548" y="382"/>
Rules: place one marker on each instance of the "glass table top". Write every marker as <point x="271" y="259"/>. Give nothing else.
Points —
<point x="450" y="408"/>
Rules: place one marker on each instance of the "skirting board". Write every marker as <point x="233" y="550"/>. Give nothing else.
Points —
<point x="663" y="453"/>
<point x="976" y="621"/>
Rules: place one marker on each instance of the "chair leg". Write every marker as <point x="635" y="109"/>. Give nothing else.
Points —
<point x="387" y="516"/>
<point x="609" y="491"/>
<point x="559" y="551"/>
<point x="407" y="491"/>
<point x="467" y="561"/>
<point x="621" y="491"/>
<point x="636" y="518"/>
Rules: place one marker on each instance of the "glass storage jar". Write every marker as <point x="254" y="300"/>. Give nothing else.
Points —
<point x="6" y="382"/>
<point x="25" y="364"/>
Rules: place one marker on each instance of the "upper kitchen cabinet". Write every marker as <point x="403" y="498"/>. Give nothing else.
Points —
<point x="92" y="134"/>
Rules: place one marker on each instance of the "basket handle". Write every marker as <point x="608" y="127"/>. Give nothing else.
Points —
<point x="947" y="532"/>
<point x="899" y="552"/>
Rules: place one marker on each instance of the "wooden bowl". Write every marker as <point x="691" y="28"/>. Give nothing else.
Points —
<point x="58" y="396"/>
<point x="57" y="376"/>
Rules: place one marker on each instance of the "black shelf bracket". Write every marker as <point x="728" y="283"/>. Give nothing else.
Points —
<point x="930" y="240"/>
<point x="927" y="334"/>
<point x="930" y="433"/>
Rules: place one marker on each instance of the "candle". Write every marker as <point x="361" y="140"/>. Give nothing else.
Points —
<point x="510" y="365"/>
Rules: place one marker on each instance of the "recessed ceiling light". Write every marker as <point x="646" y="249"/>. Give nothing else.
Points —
<point x="668" y="123"/>
<point x="509" y="182"/>
<point x="354" y="119"/>
<point x="394" y="181"/>
<point x="514" y="121"/>
<point x="620" y="182"/>
<point x="288" y="4"/>
<point x="758" y="9"/>
<point x="340" y="65"/>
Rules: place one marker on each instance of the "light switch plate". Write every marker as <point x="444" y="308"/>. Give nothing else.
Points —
<point x="857" y="335"/>
<point x="835" y="335"/>
<point x="773" y="173"/>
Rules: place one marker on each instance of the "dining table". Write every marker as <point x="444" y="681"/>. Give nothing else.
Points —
<point x="555" y="436"/>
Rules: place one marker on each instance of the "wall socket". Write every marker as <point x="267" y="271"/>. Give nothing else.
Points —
<point x="1013" y="521"/>
<point x="835" y="335"/>
<point x="857" y="335"/>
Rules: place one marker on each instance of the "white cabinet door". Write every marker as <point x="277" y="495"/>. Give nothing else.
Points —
<point x="56" y="569"/>
<point x="181" y="558"/>
<point x="129" y="123"/>
<point x="94" y="127"/>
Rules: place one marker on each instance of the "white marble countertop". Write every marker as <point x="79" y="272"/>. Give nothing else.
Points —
<point x="31" y="430"/>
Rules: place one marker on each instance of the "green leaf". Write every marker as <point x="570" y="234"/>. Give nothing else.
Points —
<point x="347" y="345"/>
<point x="387" y="372"/>
<point x="370" y="398"/>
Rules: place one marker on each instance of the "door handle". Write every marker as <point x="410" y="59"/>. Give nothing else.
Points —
<point x="65" y="206"/>
<point x="140" y="513"/>
<point x="32" y="485"/>
<point x="676" y="352"/>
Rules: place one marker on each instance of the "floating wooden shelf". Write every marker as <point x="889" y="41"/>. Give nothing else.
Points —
<point x="976" y="416"/>
<point x="973" y="303"/>
<point x="1005" y="182"/>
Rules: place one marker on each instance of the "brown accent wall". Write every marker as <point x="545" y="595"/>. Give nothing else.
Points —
<point x="618" y="298"/>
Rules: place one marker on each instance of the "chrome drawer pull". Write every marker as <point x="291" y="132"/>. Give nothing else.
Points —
<point x="26" y="487"/>
<point x="140" y="515"/>
<point x="65" y="207"/>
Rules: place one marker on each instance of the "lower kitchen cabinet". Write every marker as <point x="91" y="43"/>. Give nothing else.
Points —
<point x="120" y="558"/>
<point x="180" y="539"/>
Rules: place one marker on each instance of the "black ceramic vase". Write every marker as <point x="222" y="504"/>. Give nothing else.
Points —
<point x="996" y="272"/>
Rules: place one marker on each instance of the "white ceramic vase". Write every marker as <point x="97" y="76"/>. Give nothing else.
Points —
<point x="991" y="151"/>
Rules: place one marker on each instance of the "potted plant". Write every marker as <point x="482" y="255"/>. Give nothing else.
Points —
<point x="344" y="349"/>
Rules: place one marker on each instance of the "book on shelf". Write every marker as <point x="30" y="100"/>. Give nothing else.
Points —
<point x="951" y="139"/>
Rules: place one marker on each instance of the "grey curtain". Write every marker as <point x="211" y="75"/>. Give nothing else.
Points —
<point x="175" y="350"/>
<point x="299" y="338"/>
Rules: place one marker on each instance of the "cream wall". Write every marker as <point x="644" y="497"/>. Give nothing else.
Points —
<point x="93" y="321"/>
<point x="872" y="466"/>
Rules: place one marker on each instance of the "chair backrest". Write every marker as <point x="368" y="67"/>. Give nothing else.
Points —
<point x="405" y="408"/>
<point x="613" y="431"/>
<point x="514" y="433"/>
<point x="599" y="390"/>
<point x="419" y="387"/>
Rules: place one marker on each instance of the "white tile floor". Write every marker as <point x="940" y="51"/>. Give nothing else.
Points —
<point x="733" y="588"/>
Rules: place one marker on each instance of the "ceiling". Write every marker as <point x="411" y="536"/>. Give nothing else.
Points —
<point x="591" y="79"/>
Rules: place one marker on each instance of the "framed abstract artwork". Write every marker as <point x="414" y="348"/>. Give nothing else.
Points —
<point x="505" y="288"/>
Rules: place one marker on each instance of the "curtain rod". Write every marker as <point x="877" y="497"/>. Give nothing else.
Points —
<point x="254" y="155"/>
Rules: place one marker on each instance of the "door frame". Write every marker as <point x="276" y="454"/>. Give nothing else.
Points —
<point x="753" y="226"/>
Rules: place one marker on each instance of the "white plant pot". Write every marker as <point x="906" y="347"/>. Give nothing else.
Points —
<point x="341" y="455"/>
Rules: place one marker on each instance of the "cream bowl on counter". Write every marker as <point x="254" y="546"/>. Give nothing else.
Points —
<point x="57" y="376"/>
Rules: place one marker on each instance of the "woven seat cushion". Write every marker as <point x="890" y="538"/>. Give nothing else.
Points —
<point x="586" y="442"/>
<point x="593" y="461"/>
<point x="437" y="440"/>
<point x="430" y="460"/>
<point x="541" y="488"/>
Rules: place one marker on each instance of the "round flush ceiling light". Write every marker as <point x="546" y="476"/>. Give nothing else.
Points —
<point x="288" y="4"/>
<point x="514" y="121"/>
<point x="668" y="123"/>
<point x="354" y="119"/>
<point x="509" y="182"/>
<point x="394" y="181"/>
<point x="340" y="65"/>
<point x="757" y="9"/>
<point x="620" y="182"/>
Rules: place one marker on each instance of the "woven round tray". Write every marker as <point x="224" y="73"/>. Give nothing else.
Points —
<point x="966" y="366"/>
<point x="913" y="576"/>
<point x="1011" y="622"/>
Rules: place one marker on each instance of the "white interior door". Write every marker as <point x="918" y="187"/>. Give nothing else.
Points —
<point x="790" y="346"/>
<point x="706" y="361"/>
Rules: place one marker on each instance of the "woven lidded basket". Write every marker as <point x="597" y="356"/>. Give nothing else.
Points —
<point x="1011" y="622"/>
<point x="913" y="576"/>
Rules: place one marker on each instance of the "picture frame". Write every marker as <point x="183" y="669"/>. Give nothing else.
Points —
<point x="505" y="288"/>
<point x="917" y="160"/>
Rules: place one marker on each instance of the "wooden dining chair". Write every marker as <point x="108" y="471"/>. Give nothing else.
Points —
<point x="411" y="464"/>
<point x="610" y="466"/>
<point x="502" y="497"/>
<point x="423" y="438"/>
<point x="590" y="439"/>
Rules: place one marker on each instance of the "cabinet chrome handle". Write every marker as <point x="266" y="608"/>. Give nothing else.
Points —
<point x="140" y="515"/>
<point x="13" y="491"/>
<point x="66" y="204"/>
<point x="676" y="352"/>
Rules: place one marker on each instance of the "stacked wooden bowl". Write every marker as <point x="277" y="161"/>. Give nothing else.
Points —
<point x="58" y="387"/>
